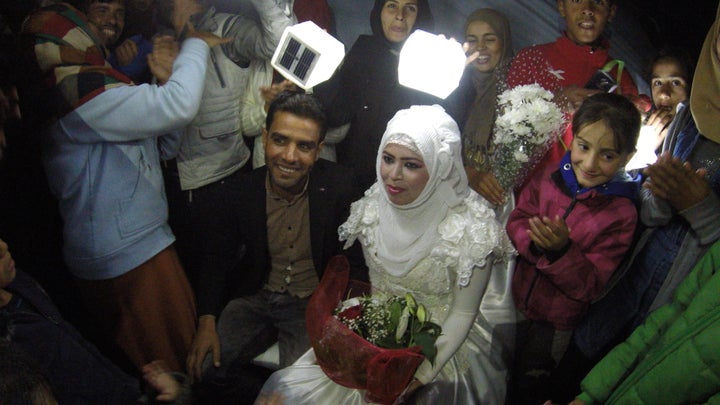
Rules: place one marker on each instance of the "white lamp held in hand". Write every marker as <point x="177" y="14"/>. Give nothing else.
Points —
<point x="431" y="63"/>
<point x="307" y="55"/>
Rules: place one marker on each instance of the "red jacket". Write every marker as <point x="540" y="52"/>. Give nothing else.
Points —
<point x="560" y="64"/>
<point x="601" y="225"/>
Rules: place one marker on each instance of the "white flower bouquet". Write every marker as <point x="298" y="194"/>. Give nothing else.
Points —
<point x="528" y="123"/>
<point x="391" y="322"/>
<point x="340" y="335"/>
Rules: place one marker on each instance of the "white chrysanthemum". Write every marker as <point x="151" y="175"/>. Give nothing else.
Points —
<point x="527" y="123"/>
<point x="520" y="156"/>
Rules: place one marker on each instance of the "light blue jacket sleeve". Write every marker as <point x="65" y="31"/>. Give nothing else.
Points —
<point x="131" y="113"/>
<point x="257" y="41"/>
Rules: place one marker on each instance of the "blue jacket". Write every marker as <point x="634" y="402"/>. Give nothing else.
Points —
<point x="103" y="165"/>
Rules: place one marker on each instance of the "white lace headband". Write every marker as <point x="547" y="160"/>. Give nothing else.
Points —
<point x="403" y="140"/>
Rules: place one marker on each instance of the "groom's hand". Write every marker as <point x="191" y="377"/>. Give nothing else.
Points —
<point x="206" y="340"/>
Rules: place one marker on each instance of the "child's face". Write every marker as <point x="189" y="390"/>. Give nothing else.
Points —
<point x="668" y="84"/>
<point x="595" y="158"/>
<point x="586" y="19"/>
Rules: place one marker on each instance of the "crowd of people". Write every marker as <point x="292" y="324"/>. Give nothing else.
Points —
<point x="192" y="204"/>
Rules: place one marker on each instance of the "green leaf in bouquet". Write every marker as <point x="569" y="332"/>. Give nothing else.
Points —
<point x="427" y="345"/>
<point x="389" y="342"/>
<point x="432" y="329"/>
<point x="395" y="312"/>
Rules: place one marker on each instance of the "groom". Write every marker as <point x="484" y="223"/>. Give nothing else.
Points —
<point x="283" y="222"/>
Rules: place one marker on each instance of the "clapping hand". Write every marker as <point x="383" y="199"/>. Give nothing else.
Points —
<point x="677" y="182"/>
<point x="549" y="234"/>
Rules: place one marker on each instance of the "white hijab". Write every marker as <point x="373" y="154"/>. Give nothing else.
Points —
<point x="407" y="233"/>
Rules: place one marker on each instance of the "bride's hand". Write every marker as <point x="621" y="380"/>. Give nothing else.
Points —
<point x="414" y="385"/>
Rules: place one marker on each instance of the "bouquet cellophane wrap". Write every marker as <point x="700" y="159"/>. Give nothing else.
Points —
<point x="344" y="356"/>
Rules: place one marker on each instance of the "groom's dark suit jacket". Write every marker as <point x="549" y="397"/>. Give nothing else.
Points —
<point x="238" y="263"/>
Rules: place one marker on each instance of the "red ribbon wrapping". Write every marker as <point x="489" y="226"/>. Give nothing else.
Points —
<point x="344" y="356"/>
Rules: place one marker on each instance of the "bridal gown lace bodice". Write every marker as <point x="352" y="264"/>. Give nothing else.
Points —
<point x="429" y="285"/>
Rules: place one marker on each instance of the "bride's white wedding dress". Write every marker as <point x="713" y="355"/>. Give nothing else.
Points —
<point x="475" y="368"/>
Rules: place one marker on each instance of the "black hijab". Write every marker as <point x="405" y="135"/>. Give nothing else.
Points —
<point x="424" y="20"/>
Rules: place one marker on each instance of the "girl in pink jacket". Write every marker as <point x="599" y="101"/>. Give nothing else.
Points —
<point x="572" y="227"/>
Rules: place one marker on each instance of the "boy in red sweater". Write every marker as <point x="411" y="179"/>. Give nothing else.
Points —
<point x="565" y="66"/>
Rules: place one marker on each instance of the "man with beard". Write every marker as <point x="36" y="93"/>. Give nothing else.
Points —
<point x="286" y="215"/>
<point x="107" y="19"/>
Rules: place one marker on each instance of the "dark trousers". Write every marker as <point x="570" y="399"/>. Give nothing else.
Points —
<point x="247" y="327"/>
<point x="539" y="350"/>
<point x="188" y="210"/>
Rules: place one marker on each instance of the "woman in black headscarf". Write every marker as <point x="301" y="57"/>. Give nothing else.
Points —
<point x="365" y="92"/>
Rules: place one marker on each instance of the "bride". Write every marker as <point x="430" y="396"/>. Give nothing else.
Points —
<point x="424" y="231"/>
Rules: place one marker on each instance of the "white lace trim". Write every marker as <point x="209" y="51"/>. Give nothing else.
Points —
<point x="468" y="235"/>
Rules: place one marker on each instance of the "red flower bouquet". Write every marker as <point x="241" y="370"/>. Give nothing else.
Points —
<point x="351" y="360"/>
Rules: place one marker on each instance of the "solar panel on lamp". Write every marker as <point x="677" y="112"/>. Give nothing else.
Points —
<point x="307" y="55"/>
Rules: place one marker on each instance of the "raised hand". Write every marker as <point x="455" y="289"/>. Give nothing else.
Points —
<point x="126" y="52"/>
<point x="209" y="38"/>
<point x="660" y="120"/>
<point x="160" y="61"/>
<point x="268" y="93"/>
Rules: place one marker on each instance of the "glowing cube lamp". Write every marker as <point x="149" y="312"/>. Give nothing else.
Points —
<point x="307" y="55"/>
<point x="431" y="63"/>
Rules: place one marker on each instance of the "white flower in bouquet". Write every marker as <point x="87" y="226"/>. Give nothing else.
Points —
<point x="527" y="124"/>
<point x="391" y="322"/>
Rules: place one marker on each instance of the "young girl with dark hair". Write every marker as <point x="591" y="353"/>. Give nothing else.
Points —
<point x="572" y="227"/>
